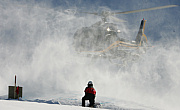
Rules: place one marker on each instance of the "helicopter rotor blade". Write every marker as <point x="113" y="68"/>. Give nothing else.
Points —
<point x="116" y="19"/>
<point x="148" y="9"/>
<point x="90" y="13"/>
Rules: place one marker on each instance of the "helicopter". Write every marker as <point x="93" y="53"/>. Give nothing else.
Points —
<point x="102" y="39"/>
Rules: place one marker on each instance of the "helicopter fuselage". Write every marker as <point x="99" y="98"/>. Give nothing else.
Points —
<point x="96" y="37"/>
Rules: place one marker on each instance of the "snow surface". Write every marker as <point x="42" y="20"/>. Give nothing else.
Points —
<point x="74" y="100"/>
<point x="24" y="105"/>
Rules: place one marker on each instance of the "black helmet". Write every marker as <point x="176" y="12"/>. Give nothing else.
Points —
<point x="90" y="84"/>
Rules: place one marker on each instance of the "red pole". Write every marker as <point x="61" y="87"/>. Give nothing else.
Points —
<point x="15" y="79"/>
<point x="15" y="88"/>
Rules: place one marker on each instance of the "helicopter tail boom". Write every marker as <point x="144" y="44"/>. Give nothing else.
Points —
<point x="141" y="37"/>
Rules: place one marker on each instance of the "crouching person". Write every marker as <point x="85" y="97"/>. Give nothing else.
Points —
<point x="90" y="94"/>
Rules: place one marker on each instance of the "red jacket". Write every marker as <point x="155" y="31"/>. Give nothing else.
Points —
<point x="90" y="90"/>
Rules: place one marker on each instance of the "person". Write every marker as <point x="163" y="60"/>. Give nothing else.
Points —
<point x="90" y="94"/>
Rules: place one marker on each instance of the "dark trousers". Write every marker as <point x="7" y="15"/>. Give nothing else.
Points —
<point x="90" y="97"/>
